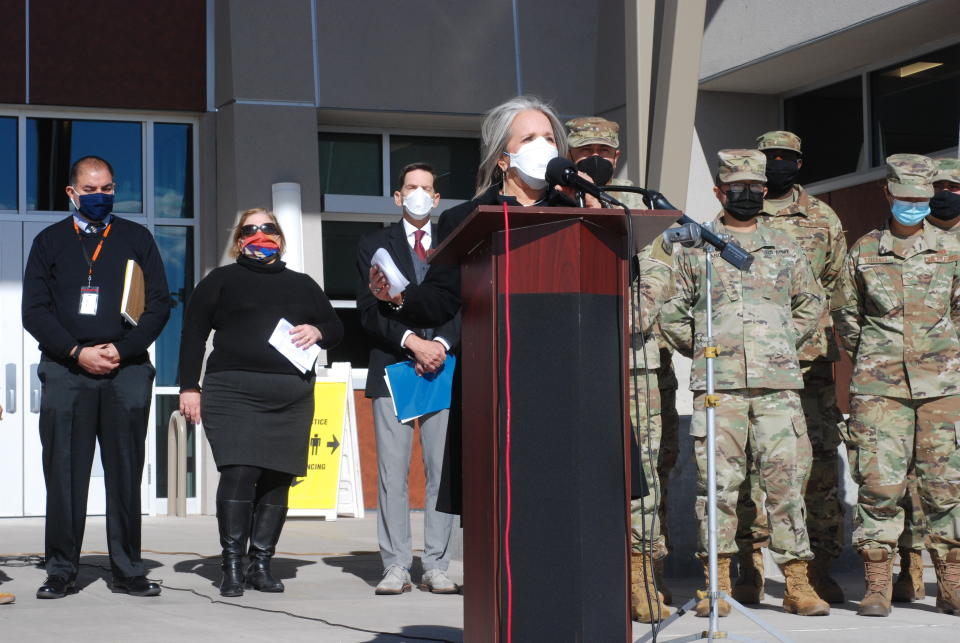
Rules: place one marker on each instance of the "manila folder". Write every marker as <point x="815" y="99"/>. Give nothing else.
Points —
<point x="132" y="304"/>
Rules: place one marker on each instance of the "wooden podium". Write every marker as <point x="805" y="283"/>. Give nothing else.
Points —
<point x="570" y="473"/>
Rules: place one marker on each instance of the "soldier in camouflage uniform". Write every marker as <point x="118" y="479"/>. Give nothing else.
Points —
<point x="594" y="145"/>
<point x="897" y="312"/>
<point x="909" y="586"/>
<point x="816" y="229"/>
<point x="669" y="451"/>
<point x="945" y="204"/>
<point x="761" y="316"/>
<point x="653" y="287"/>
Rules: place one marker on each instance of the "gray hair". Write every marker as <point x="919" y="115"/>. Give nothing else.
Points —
<point x="495" y="133"/>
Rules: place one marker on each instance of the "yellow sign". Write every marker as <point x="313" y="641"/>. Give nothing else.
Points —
<point x="320" y="487"/>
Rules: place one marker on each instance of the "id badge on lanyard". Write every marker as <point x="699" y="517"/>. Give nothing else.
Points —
<point x="88" y="299"/>
<point x="89" y="294"/>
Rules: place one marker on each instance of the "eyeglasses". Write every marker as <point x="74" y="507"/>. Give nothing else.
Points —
<point x="739" y="188"/>
<point x="251" y="229"/>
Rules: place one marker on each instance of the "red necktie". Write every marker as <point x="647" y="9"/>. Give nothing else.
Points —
<point x="418" y="245"/>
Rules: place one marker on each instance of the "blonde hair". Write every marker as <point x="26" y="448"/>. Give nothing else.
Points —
<point x="495" y="133"/>
<point x="238" y="230"/>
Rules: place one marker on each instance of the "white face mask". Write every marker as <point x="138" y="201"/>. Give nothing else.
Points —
<point x="531" y="161"/>
<point x="418" y="204"/>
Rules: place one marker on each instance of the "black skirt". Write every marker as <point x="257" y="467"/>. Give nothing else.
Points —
<point x="258" y="419"/>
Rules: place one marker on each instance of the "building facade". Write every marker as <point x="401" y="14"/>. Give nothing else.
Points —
<point x="203" y="105"/>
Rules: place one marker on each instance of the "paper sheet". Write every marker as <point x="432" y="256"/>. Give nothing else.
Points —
<point x="382" y="260"/>
<point x="303" y="359"/>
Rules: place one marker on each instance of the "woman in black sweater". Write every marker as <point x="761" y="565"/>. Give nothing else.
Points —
<point x="257" y="407"/>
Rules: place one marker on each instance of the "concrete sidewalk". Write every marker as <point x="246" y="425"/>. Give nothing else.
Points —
<point x="330" y="570"/>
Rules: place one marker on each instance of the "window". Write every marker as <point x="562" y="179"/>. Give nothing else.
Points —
<point x="829" y="122"/>
<point x="358" y="172"/>
<point x="914" y="105"/>
<point x="176" y="249"/>
<point x="156" y="187"/>
<point x="54" y="143"/>
<point x="340" y="239"/>
<point x="8" y="163"/>
<point x="455" y="160"/>
<point x="173" y="170"/>
<point x="351" y="164"/>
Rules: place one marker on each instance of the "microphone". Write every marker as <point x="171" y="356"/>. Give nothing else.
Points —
<point x="694" y="233"/>
<point x="562" y="171"/>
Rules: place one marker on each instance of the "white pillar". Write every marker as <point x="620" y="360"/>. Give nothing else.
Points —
<point x="286" y="207"/>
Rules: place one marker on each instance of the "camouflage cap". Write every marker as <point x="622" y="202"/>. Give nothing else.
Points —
<point x="947" y="170"/>
<point x="910" y="175"/>
<point x="741" y="165"/>
<point x="779" y="140"/>
<point x="590" y="130"/>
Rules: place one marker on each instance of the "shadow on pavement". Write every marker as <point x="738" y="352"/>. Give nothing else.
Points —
<point x="427" y="633"/>
<point x="365" y="565"/>
<point x="209" y="568"/>
<point x="97" y="567"/>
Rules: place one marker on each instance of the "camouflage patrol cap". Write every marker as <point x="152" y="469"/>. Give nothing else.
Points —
<point x="741" y="165"/>
<point x="590" y="130"/>
<point x="779" y="140"/>
<point x="910" y="175"/>
<point x="947" y="170"/>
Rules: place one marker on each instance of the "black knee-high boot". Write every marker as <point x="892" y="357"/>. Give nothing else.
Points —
<point x="267" y="524"/>
<point x="233" y="518"/>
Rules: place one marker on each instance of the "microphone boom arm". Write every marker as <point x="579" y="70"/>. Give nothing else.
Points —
<point x="729" y="251"/>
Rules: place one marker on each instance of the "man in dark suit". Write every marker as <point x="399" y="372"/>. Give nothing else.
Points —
<point x="408" y="242"/>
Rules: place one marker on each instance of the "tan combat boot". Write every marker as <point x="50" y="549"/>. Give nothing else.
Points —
<point x="749" y="587"/>
<point x="878" y="574"/>
<point x="818" y="571"/>
<point x="799" y="596"/>
<point x="723" y="584"/>
<point x="909" y="584"/>
<point x="665" y="594"/>
<point x="645" y="603"/>
<point x="948" y="581"/>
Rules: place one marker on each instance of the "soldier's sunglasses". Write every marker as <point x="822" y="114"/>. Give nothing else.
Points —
<point x="251" y="229"/>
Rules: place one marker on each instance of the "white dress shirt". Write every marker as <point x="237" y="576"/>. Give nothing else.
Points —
<point x="426" y="241"/>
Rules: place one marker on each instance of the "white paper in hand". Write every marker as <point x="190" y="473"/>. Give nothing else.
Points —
<point x="382" y="260"/>
<point x="302" y="358"/>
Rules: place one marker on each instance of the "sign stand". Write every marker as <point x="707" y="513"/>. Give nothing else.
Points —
<point x="332" y="486"/>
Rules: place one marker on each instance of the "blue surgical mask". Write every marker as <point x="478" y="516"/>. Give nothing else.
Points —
<point x="96" y="206"/>
<point x="910" y="213"/>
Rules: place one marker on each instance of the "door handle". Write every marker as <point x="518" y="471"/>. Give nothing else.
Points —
<point x="11" y="375"/>
<point x="34" y="389"/>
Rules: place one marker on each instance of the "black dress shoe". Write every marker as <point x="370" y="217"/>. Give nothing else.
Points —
<point x="56" y="587"/>
<point x="135" y="586"/>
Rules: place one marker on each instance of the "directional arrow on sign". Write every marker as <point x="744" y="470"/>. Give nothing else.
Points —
<point x="333" y="444"/>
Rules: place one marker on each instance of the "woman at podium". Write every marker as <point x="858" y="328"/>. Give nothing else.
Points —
<point x="517" y="140"/>
<point x="256" y="401"/>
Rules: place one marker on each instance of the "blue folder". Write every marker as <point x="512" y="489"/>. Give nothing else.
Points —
<point x="415" y="395"/>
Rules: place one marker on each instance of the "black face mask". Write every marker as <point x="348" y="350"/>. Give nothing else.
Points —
<point x="745" y="205"/>
<point x="597" y="168"/>
<point x="781" y="175"/>
<point x="945" y="205"/>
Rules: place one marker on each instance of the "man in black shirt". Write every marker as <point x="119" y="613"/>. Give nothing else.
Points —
<point x="95" y="373"/>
